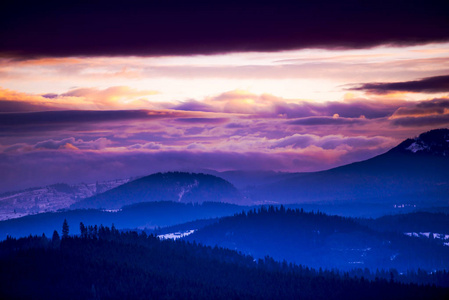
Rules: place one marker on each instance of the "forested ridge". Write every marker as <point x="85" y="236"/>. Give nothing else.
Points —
<point x="103" y="263"/>
<point x="319" y="240"/>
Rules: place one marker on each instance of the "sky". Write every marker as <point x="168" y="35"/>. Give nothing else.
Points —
<point x="98" y="90"/>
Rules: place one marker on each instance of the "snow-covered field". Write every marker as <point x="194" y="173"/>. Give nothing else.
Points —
<point x="50" y="198"/>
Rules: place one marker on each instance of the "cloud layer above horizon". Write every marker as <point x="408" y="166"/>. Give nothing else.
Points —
<point x="86" y="96"/>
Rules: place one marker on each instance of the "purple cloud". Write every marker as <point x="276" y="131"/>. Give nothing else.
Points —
<point x="97" y="144"/>
<point x="21" y="106"/>
<point x="150" y="146"/>
<point x="194" y="105"/>
<point x="331" y="141"/>
<point x="71" y="117"/>
<point x="326" y="121"/>
<point x="436" y="84"/>
<point x="435" y="120"/>
<point x="50" y="96"/>
<point x="203" y="120"/>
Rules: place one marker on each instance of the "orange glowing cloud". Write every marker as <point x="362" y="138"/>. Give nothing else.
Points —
<point x="117" y="97"/>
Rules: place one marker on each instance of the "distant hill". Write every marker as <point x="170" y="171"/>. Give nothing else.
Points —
<point x="319" y="240"/>
<point x="412" y="222"/>
<point x="416" y="171"/>
<point x="149" y="215"/>
<point x="173" y="186"/>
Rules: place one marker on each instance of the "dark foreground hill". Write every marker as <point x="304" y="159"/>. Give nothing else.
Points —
<point x="173" y="186"/>
<point x="414" y="172"/>
<point x="110" y="265"/>
<point x="319" y="240"/>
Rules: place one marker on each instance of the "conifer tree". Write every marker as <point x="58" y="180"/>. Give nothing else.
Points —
<point x="65" y="229"/>
<point x="55" y="240"/>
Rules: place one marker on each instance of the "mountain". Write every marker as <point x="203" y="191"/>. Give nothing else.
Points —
<point x="173" y="186"/>
<point x="319" y="240"/>
<point x="414" y="172"/>
<point x="50" y="198"/>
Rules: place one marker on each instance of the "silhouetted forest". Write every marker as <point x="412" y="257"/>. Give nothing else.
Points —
<point x="104" y="263"/>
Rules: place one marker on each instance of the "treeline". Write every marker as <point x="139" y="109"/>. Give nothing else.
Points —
<point x="108" y="264"/>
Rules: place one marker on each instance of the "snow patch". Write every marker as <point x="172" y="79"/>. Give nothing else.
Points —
<point x="175" y="235"/>
<point x="112" y="210"/>
<point x="440" y="236"/>
<point x="187" y="189"/>
<point x="415" y="147"/>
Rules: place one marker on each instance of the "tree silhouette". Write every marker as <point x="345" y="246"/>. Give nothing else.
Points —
<point x="65" y="229"/>
<point x="83" y="230"/>
<point x="55" y="240"/>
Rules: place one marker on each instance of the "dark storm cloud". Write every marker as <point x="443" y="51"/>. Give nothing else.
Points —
<point x="64" y="28"/>
<point x="436" y="84"/>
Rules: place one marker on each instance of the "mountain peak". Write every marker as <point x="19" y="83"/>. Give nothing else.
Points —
<point x="433" y="142"/>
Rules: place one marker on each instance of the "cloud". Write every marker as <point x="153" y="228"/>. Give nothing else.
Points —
<point x="73" y="144"/>
<point x="270" y="106"/>
<point x="177" y="27"/>
<point x="194" y="105"/>
<point x="433" y="112"/>
<point x="332" y="142"/>
<point x="203" y="120"/>
<point x="50" y="96"/>
<point x="68" y="117"/>
<point x="424" y="108"/>
<point x="111" y="97"/>
<point x="436" y="84"/>
<point x="147" y="146"/>
<point x="326" y="121"/>
<point x="21" y="106"/>
<point x="435" y="120"/>
<point x="114" y="97"/>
